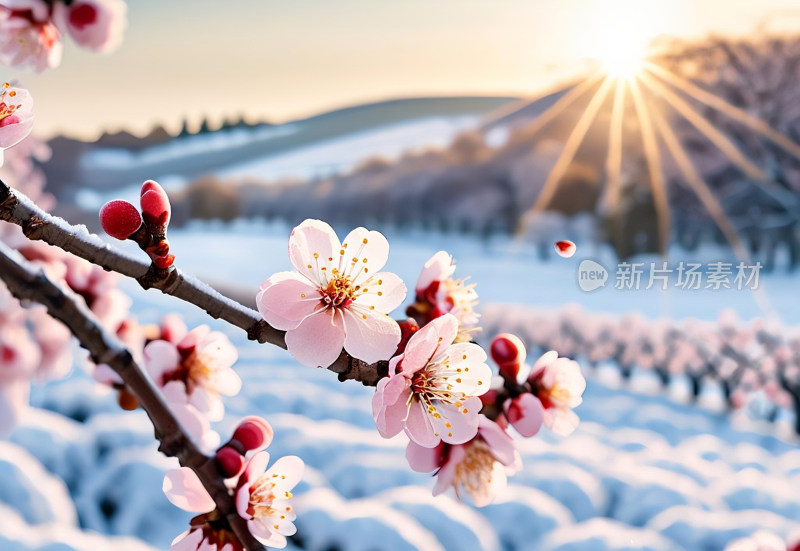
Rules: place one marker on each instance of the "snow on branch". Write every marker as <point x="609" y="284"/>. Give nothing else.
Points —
<point x="37" y="224"/>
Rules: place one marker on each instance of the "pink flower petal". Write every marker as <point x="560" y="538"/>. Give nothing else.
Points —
<point x="265" y="535"/>
<point x="525" y="413"/>
<point x="370" y="336"/>
<point x="184" y="490"/>
<point x="422" y="459"/>
<point x="389" y="405"/>
<point x="365" y="249"/>
<point x="188" y="541"/>
<point x="385" y="292"/>
<point x="418" y="426"/>
<point x="438" y="268"/>
<point x="286" y="299"/>
<point x="160" y="357"/>
<point x="310" y="237"/>
<point x="500" y="443"/>
<point x="318" y="340"/>
<point x="446" y="475"/>
<point x="426" y="343"/>
<point x="463" y="426"/>
<point x="289" y="470"/>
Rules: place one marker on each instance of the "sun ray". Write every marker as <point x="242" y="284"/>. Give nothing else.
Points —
<point x="550" y="114"/>
<point x="653" y="157"/>
<point x="697" y="184"/>
<point x="614" y="159"/>
<point x="572" y="144"/>
<point x="722" y="142"/>
<point x="574" y="92"/>
<point x="726" y="108"/>
<point x="710" y="203"/>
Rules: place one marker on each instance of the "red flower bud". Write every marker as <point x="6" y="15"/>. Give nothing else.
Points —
<point x="230" y="462"/>
<point x="407" y="328"/>
<point x="509" y="354"/>
<point x="253" y="433"/>
<point x="156" y="209"/>
<point x="120" y="219"/>
<point x="164" y="262"/>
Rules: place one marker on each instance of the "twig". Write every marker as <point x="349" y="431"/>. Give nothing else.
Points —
<point x="37" y="224"/>
<point x="25" y="282"/>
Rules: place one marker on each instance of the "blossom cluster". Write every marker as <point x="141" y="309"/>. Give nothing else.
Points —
<point x="438" y="390"/>
<point x="263" y="496"/>
<point x="31" y="30"/>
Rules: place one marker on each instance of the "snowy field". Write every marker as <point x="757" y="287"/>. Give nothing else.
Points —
<point x="641" y="472"/>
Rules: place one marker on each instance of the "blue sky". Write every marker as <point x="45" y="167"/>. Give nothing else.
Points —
<point x="282" y="59"/>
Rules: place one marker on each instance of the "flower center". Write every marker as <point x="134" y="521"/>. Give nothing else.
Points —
<point x="192" y="369"/>
<point x="7" y="108"/>
<point x="474" y="472"/>
<point x="262" y="496"/>
<point x="339" y="292"/>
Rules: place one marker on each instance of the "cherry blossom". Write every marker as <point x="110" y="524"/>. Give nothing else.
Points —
<point x="559" y="385"/>
<point x="93" y="24"/>
<point x="337" y="297"/>
<point x="195" y="370"/>
<point x="432" y="389"/>
<point x="438" y="293"/>
<point x="28" y="38"/>
<point x="263" y="497"/>
<point x="16" y="115"/>
<point x="480" y="466"/>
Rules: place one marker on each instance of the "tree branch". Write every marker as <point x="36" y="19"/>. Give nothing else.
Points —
<point x="25" y="282"/>
<point x="37" y="224"/>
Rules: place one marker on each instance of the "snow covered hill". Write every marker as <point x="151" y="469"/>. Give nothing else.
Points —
<point x="641" y="472"/>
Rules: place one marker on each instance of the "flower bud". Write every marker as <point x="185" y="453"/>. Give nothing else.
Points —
<point x="156" y="209"/>
<point x="253" y="433"/>
<point x="164" y="262"/>
<point x="230" y="462"/>
<point x="565" y="248"/>
<point x="509" y="354"/>
<point x="120" y="219"/>
<point x="407" y="328"/>
<point x="525" y="413"/>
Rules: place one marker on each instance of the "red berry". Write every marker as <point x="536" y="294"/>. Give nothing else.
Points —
<point x="254" y="433"/>
<point x="120" y="219"/>
<point x="156" y="209"/>
<point x="230" y="462"/>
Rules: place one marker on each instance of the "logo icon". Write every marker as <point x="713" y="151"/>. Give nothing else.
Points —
<point x="591" y="275"/>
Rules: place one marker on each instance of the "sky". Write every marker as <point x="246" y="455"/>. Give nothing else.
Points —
<point x="279" y="60"/>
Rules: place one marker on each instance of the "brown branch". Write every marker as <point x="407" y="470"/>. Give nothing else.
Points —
<point x="26" y="283"/>
<point x="37" y="224"/>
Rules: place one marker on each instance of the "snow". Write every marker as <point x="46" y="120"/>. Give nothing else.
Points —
<point x="641" y="472"/>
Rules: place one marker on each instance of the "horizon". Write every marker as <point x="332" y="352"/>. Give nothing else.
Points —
<point x="277" y="62"/>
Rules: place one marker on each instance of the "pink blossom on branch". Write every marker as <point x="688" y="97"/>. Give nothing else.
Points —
<point x="480" y="466"/>
<point x="28" y="38"/>
<point x="432" y="389"/>
<point x="437" y="293"/>
<point x="559" y="384"/>
<point x="195" y="370"/>
<point x="263" y="497"/>
<point x="337" y="297"/>
<point x="16" y="115"/>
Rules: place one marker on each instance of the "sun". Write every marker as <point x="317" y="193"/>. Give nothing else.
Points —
<point x="617" y="36"/>
<point x="622" y="57"/>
